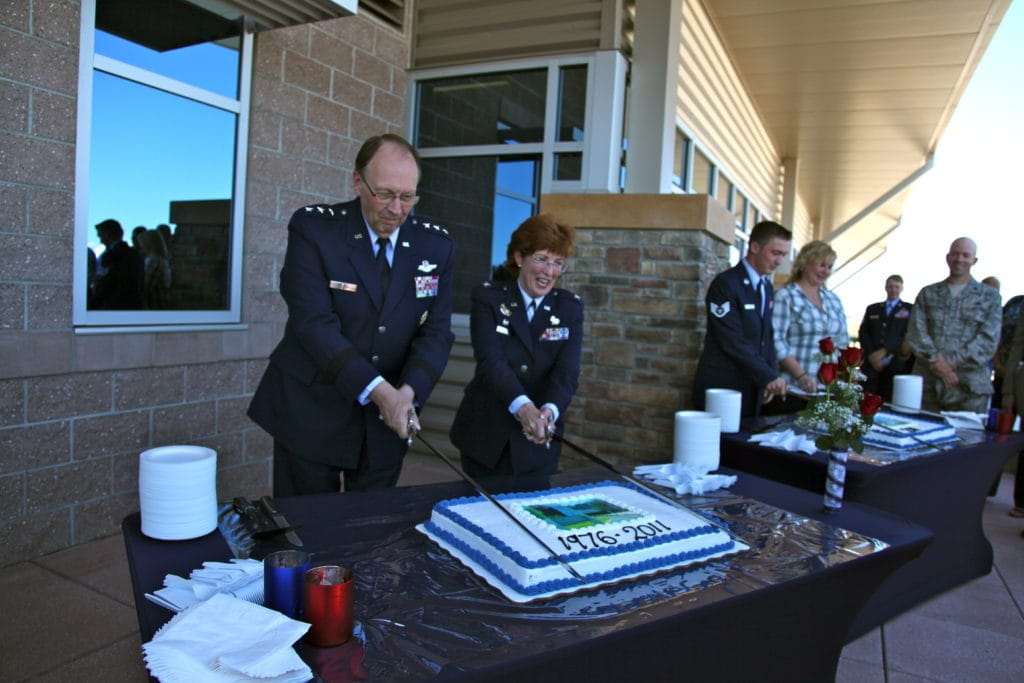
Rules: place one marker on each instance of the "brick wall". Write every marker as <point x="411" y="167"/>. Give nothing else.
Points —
<point x="642" y="266"/>
<point x="76" y="410"/>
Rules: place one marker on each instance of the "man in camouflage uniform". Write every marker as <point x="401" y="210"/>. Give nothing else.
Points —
<point x="954" y="332"/>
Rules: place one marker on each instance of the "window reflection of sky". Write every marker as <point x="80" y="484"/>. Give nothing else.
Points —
<point x="208" y="66"/>
<point x="515" y="196"/>
<point x="150" y="147"/>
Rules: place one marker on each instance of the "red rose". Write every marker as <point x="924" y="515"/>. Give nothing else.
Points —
<point x="825" y="345"/>
<point x="870" y="404"/>
<point x="851" y="356"/>
<point x="828" y="372"/>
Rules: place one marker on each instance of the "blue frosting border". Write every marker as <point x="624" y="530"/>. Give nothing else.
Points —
<point x="444" y="508"/>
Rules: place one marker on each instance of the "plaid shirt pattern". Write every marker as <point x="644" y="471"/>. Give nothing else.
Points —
<point x="799" y="325"/>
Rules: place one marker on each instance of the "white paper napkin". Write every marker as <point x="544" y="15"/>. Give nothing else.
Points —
<point x="684" y="478"/>
<point x="237" y="578"/>
<point x="787" y="440"/>
<point x="226" y="639"/>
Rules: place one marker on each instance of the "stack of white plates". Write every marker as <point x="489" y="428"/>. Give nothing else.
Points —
<point x="178" y="492"/>
<point x="697" y="438"/>
<point x="726" y="404"/>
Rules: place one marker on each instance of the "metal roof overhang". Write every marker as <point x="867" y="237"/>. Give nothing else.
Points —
<point x="859" y="92"/>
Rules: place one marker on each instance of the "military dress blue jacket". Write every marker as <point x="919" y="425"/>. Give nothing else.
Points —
<point x="515" y="357"/>
<point x="343" y="331"/>
<point x="739" y="350"/>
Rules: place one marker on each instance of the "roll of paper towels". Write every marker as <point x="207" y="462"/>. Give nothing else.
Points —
<point x="697" y="438"/>
<point x="906" y="391"/>
<point x="726" y="404"/>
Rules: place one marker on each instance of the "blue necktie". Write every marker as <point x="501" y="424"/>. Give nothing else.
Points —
<point x="530" y="310"/>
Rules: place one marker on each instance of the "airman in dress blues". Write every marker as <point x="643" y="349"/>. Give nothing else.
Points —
<point x="356" y="358"/>
<point x="881" y="333"/>
<point x="739" y="351"/>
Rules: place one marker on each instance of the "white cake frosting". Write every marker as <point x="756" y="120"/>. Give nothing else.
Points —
<point x="896" y="431"/>
<point x="606" y="532"/>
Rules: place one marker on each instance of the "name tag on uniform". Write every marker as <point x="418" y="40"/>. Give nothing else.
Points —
<point x="501" y="329"/>
<point x="748" y="307"/>
<point x="343" y="286"/>
<point x="555" y="334"/>
<point x="426" y="285"/>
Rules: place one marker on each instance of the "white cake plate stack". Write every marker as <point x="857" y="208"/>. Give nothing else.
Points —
<point x="178" y="492"/>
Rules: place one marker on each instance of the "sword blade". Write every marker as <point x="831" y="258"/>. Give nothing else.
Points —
<point x="631" y="479"/>
<point x="479" y="489"/>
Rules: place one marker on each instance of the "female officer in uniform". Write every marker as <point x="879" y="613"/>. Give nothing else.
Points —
<point x="527" y="340"/>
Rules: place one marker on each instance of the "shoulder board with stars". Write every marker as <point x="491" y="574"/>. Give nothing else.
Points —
<point x="430" y="226"/>
<point x="323" y="209"/>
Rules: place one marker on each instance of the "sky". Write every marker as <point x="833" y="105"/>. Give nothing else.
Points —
<point x="974" y="189"/>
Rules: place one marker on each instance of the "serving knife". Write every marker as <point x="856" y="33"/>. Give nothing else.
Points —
<point x="280" y="521"/>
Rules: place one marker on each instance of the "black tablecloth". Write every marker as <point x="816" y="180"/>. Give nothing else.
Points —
<point x="781" y="611"/>
<point x="944" y="491"/>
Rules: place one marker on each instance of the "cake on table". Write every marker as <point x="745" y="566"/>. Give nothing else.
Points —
<point x="899" y="432"/>
<point x="607" y="532"/>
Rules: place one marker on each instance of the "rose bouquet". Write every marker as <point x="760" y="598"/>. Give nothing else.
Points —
<point x="845" y="413"/>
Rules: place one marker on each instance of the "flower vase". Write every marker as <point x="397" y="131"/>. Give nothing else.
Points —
<point x="836" y="479"/>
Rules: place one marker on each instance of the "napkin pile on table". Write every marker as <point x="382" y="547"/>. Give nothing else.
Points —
<point x="227" y="639"/>
<point x="238" y="578"/>
<point x="685" y="478"/>
<point x="787" y="440"/>
<point x="963" y="419"/>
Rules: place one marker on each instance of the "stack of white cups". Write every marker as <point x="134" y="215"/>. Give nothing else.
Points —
<point x="697" y="438"/>
<point x="726" y="404"/>
<point x="178" y="492"/>
<point x="906" y="392"/>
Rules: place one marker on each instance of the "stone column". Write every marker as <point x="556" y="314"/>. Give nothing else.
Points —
<point x="642" y="266"/>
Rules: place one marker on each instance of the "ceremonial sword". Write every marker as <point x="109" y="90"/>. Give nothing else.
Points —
<point x="479" y="489"/>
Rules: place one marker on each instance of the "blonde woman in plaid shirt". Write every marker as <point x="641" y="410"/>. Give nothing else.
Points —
<point x="805" y="312"/>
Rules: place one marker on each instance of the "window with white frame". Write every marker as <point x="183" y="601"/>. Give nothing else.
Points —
<point x="494" y="138"/>
<point x="163" y="106"/>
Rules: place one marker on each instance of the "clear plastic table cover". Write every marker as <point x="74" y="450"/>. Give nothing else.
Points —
<point x="880" y="456"/>
<point x="419" y="610"/>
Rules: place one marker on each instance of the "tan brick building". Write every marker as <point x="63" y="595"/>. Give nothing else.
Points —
<point x="708" y="94"/>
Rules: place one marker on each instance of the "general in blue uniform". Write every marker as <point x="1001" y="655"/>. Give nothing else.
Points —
<point x="356" y="356"/>
<point x="739" y="351"/>
<point x="526" y="371"/>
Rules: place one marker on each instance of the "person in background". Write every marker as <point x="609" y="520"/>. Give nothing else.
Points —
<point x="739" y="348"/>
<point x="1011" y="310"/>
<point x="527" y="339"/>
<point x="953" y="334"/>
<point x="369" y="294"/>
<point x="881" y="332"/>
<point x="1013" y="400"/>
<point x="991" y="281"/>
<point x="118" y="281"/>
<point x="156" y="270"/>
<point x="805" y="312"/>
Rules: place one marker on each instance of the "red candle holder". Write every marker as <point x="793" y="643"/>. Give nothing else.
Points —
<point x="328" y="595"/>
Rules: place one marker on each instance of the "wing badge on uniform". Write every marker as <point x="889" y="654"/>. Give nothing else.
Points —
<point x="426" y="266"/>
<point x="505" y="310"/>
<point x="719" y="310"/>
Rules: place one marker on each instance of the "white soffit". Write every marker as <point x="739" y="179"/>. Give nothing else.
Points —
<point x="860" y="91"/>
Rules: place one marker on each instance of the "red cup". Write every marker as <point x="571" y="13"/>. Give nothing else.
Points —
<point x="328" y="605"/>
<point x="1004" y="422"/>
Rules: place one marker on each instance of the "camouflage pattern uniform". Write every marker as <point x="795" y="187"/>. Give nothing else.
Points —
<point x="965" y="331"/>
